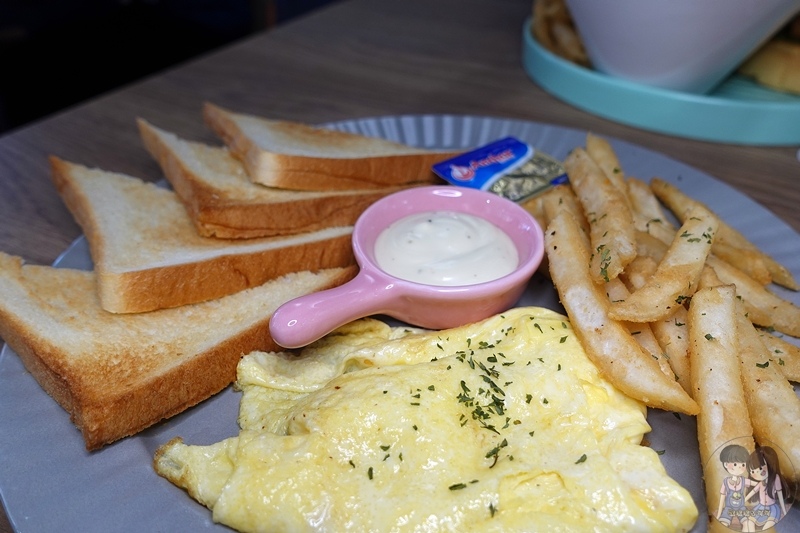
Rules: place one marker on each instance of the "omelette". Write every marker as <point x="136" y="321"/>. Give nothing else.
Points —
<point x="502" y="425"/>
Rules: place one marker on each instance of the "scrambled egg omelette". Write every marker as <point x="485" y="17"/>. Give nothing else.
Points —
<point x="503" y="425"/>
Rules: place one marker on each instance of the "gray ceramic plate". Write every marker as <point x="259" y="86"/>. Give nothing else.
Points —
<point x="48" y="482"/>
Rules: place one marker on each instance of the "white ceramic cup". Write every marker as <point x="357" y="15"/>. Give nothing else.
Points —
<point x="683" y="45"/>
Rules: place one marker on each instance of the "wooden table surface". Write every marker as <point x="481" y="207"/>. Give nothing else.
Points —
<point x="357" y="58"/>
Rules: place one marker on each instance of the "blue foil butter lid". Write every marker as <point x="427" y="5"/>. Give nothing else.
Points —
<point x="507" y="167"/>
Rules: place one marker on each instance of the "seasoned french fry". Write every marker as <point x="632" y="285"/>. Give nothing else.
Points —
<point x="708" y="278"/>
<point x="773" y="405"/>
<point x="648" y="215"/>
<point x="671" y="333"/>
<point x="607" y="342"/>
<point x="709" y="347"/>
<point x="716" y="383"/>
<point x="750" y="262"/>
<point x="641" y="332"/>
<point x="764" y="308"/>
<point x="535" y="206"/>
<point x="784" y="354"/>
<point x="641" y="269"/>
<point x="560" y="198"/>
<point x="780" y="274"/>
<point x="677" y="274"/>
<point x="644" y="200"/>
<point x="600" y="150"/>
<point x="730" y="245"/>
<point x="678" y="202"/>
<point x="612" y="232"/>
<point x="649" y="246"/>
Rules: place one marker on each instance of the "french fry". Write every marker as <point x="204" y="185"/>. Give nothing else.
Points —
<point x="543" y="13"/>
<point x="568" y="43"/>
<point x="730" y="245"/>
<point x="783" y="354"/>
<point x="750" y="262"/>
<point x="671" y="333"/>
<point x="708" y="278"/>
<point x="560" y="198"/>
<point x="607" y="342"/>
<point x="641" y="332"/>
<point x="773" y="405"/>
<point x="737" y="375"/>
<point x="644" y="200"/>
<point x="554" y="29"/>
<point x="649" y="246"/>
<point x="677" y="274"/>
<point x="535" y="206"/>
<point x="600" y="150"/>
<point x="716" y="384"/>
<point x="648" y="215"/>
<point x="678" y="202"/>
<point x="612" y="232"/>
<point x="764" y="308"/>
<point x="642" y="269"/>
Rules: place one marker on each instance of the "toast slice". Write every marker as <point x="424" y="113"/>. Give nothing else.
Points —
<point x="290" y="155"/>
<point x="118" y="374"/>
<point x="148" y="255"/>
<point x="223" y="202"/>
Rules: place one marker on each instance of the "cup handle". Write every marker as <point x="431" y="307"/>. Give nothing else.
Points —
<point x="303" y="320"/>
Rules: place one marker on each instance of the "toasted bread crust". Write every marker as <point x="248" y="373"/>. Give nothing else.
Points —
<point x="76" y="203"/>
<point x="36" y="354"/>
<point x="320" y="173"/>
<point x="221" y="213"/>
<point x="199" y="281"/>
<point x="150" y="283"/>
<point x="107" y="419"/>
<point x="114" y="387"/>
<point x="253" y="221"/>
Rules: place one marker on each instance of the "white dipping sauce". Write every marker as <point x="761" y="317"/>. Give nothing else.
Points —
<point x="445" y="248"/>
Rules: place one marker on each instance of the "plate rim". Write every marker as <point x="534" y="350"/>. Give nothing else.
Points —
<point x="194" y="510"/>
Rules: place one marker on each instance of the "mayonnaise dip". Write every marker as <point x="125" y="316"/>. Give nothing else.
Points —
<point x="445" y="248"/>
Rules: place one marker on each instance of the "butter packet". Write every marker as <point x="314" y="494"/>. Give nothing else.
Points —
<point x="507" y="167"/>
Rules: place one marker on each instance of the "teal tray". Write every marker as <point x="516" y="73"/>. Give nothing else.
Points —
<point x="738" y="111"/>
